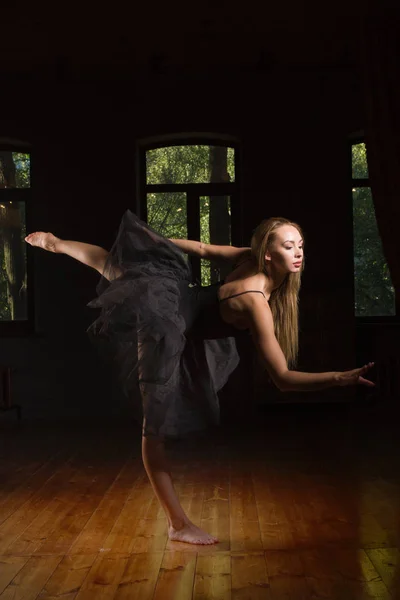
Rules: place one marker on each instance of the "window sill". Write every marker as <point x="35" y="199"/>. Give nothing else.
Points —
<point x="11" y="329"/>
<point x="385" y="321"/>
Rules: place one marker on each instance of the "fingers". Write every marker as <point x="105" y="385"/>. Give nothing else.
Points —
<point x="363" y="370"/>
<point x="360" y="372"/>
<point x="366" y="382"/>
<point x="366" y="367"/>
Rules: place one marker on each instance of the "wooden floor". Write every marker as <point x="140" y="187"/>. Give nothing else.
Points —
<point x="305" y="502"/>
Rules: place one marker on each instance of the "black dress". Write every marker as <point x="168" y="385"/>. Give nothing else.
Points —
<point x="163" y="332"/>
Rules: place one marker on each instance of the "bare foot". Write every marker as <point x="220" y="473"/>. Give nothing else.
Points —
<point x="47" y="241"/>
<point x="191" y="535"/>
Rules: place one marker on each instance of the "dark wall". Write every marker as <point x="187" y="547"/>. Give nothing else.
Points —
<point x="293" y="128"/>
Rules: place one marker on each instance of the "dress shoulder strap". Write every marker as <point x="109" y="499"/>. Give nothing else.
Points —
<point x="240" y="293"/>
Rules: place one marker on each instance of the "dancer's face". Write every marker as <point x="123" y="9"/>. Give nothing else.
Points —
<point x="286" y="250"/>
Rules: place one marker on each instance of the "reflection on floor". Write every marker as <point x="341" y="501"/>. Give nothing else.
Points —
<point x="304" y="500"/>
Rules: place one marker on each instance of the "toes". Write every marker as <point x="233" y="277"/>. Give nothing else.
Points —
<point x="204" y="540"/>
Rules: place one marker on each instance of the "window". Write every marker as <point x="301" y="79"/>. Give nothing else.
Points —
<point x="190" y="191"/>
<point x="374" y="293"/>
<point x="15" y="191"/>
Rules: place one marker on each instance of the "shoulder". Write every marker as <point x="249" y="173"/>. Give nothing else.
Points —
<point x="244" y="255"/>
<point x="250" y="301"/>
<point x="236" y="254"/>
<point x="256" y="302"/>
<point x="258" y="312"/>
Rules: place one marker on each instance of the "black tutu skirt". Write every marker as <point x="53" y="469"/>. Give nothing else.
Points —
<point x="163" y="332"/>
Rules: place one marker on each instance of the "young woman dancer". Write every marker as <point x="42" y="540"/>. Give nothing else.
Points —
<point x="177" y="339"/>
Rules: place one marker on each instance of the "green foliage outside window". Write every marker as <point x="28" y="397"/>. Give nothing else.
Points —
<point x="14" y="174"/>
<point x="374" y="293"/>
<point x="14" y="170"/>
<point x="186" y="164"/>
<point x="166" y="211"/>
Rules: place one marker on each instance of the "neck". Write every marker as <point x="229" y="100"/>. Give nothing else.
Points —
<point x="273" y="281"/>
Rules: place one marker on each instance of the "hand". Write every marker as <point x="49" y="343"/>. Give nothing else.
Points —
<point x="356" y="376"/>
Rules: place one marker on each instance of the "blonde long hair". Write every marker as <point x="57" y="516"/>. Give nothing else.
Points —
<point x="285" y="299"/>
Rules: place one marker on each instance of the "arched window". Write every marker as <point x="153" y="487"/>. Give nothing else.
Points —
<point x="374" y="292"/>
<point x="15" y="194"/>
<point x="189" y="189"/>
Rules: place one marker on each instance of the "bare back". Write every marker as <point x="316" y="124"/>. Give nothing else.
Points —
<point x="239" y="283"/>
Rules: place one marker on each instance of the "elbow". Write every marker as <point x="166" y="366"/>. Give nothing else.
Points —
<point x="203" y="250"/>
<point x="282" y="382"/>
<point x="282" y="387"/>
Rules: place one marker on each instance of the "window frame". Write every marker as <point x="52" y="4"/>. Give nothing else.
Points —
<point x="193" y="191"/>
<point x="27" y="326"/>
<point x="359" y="138"/>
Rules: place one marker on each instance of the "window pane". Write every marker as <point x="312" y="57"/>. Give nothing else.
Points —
<point x="166" y="213"/>
<point x="13" y="305"/>
<point x="359" y="161"/>
<point x="215" y="228"/>
<point x="14" y="170"/>
<point x="231" y="164"/>
<point x="374" y="293"/>
<point x="190" y="164"/>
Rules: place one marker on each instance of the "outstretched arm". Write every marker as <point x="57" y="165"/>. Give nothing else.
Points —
<point x="88" y="254"/>
<point x="211" y="251"/>
<point x="262" y="330"/>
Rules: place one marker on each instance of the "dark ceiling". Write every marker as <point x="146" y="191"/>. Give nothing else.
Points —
<point x="162" y="35"/>
<point x="158" y="36"/>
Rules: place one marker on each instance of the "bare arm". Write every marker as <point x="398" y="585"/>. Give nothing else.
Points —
<point x="211" y="251"/>
<point x="262" y="330"/>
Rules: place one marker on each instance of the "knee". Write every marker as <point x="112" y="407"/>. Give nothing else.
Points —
<point x="152" y="441"/>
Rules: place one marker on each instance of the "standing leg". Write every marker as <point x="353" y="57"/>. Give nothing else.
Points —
<point x="180" y="528"/>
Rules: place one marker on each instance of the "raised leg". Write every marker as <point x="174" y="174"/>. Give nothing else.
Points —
<point x="180" y="528"/>
<point x="88" y="254"/>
